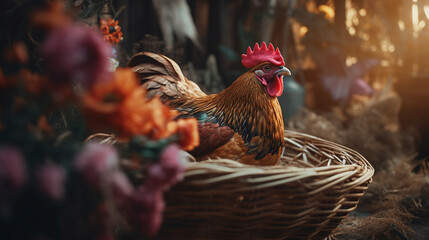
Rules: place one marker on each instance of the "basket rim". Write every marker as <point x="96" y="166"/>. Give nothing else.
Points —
<point x="227" y="165"/>
<point x="260" y="177"/>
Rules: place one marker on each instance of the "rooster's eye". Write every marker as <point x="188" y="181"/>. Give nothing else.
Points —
<point x="266" y="68"/>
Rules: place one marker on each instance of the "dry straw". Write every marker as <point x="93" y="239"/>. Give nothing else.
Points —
<point x="316" y="185"/>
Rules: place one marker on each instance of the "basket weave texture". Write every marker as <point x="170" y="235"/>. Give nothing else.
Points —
<point x="316" y="184"/>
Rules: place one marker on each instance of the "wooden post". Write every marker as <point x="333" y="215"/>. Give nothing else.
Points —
<point x="340" y="15"/>
<point x="201" y="20"/>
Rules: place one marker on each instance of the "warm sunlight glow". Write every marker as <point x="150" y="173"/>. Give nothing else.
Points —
<point x="426" y="10"/>
<point x="415" y="14"/>
<point x="352" y="31"/>
<point x="328" y="10"/>
<point x="302" y="31"/>
<point x="401" y="25"/>
<point x="352" y="19"/>
<point x="350" y="61"/>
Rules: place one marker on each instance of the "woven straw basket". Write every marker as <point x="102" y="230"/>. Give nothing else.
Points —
<point x="316" y="185"/>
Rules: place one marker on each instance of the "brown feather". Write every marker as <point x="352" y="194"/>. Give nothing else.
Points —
<point x="156" y="69"/>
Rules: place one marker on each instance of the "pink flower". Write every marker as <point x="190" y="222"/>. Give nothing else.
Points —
<point x="168" y="171"/>
<point x="76" y="54"/>
<point x="95" y="162"/>
<point x="173" y="162"/>
<point x="145" y="210"/>
<point x="50" y="180"/>
<point x="12" y="171"/>
<point x="146" y="204"/>
<point x="120" y="185"/>
<point x="157" y="178"/>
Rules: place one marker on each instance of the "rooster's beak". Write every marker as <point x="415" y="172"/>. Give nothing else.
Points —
<point x="283" y="71"/>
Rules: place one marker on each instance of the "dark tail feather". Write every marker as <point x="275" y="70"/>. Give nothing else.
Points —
<point x="162" y="77"/>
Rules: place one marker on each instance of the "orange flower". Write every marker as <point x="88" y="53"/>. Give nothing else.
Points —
<point x="120" y="106"/>
<point x="111" y="30"/>
<point x="35" y="83"/>
<point x="188" y="133"/>
<point x="44" y="126"/>
<point x="17" y="53"/>
<point x="32" y="82"/>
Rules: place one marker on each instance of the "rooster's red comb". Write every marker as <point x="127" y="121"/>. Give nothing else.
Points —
<point x="262" y="54"/>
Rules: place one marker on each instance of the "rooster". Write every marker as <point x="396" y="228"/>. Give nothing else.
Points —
<point x="244" y="122"/>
